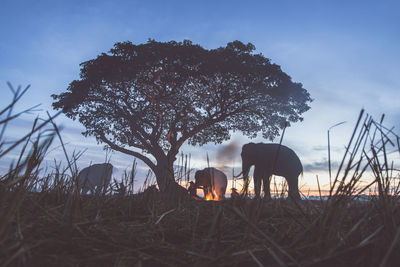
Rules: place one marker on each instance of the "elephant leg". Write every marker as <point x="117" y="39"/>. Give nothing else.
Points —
<point x="257" y="180"/>
<point x="205" y="191"/>
<point x="293" y="188"/>
<point x="211" y="190"/>
<point x="266" y="185"/>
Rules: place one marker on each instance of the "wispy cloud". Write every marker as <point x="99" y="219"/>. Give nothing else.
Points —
<point x="319" y="166"/>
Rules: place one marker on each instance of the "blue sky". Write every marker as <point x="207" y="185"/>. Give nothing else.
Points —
<point x="345" y="53"/>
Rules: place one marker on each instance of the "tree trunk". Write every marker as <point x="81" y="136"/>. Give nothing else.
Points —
<point x="165" y="178"/>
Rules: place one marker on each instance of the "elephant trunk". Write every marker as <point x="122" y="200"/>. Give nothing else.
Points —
<point x="245" y="172"/>
<point x="238" y="175"/>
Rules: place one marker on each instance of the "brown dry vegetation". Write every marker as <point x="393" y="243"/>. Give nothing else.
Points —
<point x="45" y="221"/>
<point x="57" y="229"/>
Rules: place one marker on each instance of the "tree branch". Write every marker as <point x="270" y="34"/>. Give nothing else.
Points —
<point x="129" y="152"/>
<point x="203" y="126"/>
<point x="121" y="113"/>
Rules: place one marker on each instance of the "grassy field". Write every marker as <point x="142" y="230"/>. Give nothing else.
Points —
<point x="45" y="221"/>
<point x="55" y="228"/>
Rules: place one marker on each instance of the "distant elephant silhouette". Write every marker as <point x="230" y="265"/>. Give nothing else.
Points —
<point x="95" y="177"/>
<point x="269" y="159"/>
<point x="213" y="181"/>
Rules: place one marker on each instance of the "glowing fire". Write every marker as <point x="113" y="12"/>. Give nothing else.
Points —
<point x="209" y="197"/>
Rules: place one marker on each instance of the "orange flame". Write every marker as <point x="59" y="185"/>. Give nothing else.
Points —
<point x="209" y="197"/>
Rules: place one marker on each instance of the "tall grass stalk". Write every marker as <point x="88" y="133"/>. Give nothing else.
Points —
<point x="46" y="221"/>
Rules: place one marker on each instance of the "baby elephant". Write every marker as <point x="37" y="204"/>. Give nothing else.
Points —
<point x="212" y="180"/>
<point x="95" y="177"/>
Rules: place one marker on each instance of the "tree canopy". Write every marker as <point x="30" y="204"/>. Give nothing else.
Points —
<point x="156" y="96"/>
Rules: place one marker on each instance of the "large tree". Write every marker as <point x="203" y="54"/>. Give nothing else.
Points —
<point x="149" y="99"/>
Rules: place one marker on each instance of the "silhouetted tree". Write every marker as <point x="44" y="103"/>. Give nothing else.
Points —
<point x="154" y="97"/>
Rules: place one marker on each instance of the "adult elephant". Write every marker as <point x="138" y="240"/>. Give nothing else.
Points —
<point x="269" y="159"/>
<point x="95" y="177"/>
<point x="212" y="181"/>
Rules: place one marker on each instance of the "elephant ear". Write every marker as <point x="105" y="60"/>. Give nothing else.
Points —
<point x="198" y="176"/>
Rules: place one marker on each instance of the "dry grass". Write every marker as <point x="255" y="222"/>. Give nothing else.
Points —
<point x="44" y="221"/>
<point x="51" y="229"/>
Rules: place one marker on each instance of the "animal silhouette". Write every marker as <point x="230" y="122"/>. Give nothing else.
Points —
<point x="211" y="180"/>
<point x="269" y="159"/>
<point x="95" y="177"/>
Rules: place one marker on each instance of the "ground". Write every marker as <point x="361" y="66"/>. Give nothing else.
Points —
<point x="56" y="228"/>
